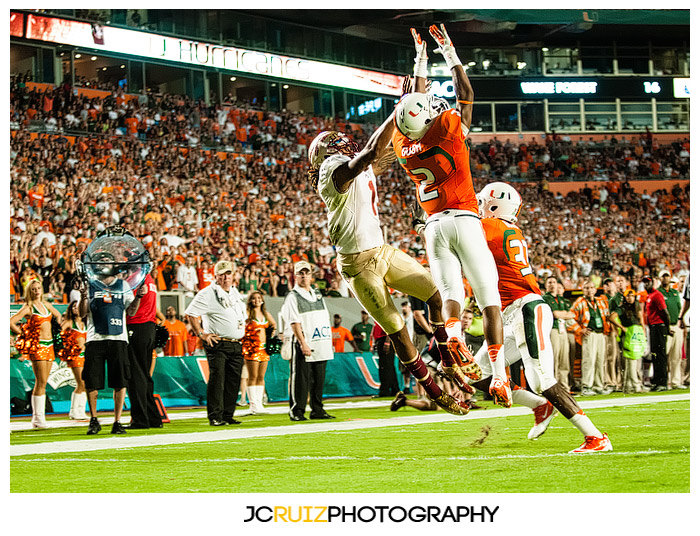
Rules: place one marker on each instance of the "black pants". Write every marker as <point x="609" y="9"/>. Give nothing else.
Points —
<point x="225" y="361"/>
<point x="306" y="381"/>
<point x="657" y="346"/>
<point x="144" y="411"/>
<point x="388" y="383"/>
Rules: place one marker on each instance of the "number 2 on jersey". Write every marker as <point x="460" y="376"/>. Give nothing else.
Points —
<point x="427" y="181"/>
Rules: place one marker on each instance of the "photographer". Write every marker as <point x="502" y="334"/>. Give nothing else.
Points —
<point x="106" y="302"/>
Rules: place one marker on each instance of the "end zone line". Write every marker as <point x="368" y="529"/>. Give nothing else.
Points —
<point x="106" y="443"/>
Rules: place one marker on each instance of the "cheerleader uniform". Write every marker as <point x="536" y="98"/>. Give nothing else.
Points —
<point x="254" y="350"/>
<point x="74" y="356"/>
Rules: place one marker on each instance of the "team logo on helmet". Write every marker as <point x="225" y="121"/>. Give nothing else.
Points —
<point x="416" y="111"/>
<point x="499" y="200"/>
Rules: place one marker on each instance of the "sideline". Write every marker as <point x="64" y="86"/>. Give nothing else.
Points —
<point x="106" y="443"/>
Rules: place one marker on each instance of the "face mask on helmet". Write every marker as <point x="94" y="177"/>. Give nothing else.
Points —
<point x="499" y="200"/>
<point x="416" y="111"/>
<point x="330" y="143"/>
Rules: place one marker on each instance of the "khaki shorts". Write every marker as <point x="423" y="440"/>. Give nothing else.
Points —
<point x="371" y="273"/>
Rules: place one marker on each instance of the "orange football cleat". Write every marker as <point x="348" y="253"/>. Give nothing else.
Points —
<point x="544" y="413"/>
<point x="464" y="358"/>
<point x="593" y="444"/>
<point x="501" y="393"/>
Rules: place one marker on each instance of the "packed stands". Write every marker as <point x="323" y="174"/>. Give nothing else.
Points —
<point x="229" y="181"/>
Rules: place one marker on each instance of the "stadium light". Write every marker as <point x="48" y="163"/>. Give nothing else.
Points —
<point x="94" y="58"/>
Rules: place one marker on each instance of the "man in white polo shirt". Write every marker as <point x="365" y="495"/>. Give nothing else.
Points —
<point x="217" y="315"/>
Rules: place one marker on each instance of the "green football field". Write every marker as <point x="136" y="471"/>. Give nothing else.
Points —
<point x="369" y="450"/>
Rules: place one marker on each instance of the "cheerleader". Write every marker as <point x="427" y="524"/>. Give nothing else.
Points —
<point x="35" y="340"/>
<point x="256" y="358"/>
<point x="73" y="332"/>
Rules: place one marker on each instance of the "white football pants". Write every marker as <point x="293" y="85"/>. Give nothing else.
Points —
<point x="456" y="245"/>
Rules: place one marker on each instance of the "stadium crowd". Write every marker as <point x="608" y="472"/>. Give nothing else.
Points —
<point x="153" y="164"/>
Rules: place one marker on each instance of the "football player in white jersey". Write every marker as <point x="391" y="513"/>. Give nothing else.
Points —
<point x="345" y="179"/>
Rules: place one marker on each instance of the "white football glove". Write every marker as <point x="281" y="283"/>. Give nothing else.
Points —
<point x="445" y="46"/>
<point x="420" y="69"/>
<point x="418" y="217"/>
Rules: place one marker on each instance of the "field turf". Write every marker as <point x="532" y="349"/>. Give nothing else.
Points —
<point x="372" y="450"/>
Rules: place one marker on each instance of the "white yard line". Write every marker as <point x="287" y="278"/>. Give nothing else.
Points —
<point x="294" y="459"/>
<point x="237" y="432"/>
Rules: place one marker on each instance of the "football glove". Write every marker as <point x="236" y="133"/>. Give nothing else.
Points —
<point x="445" y="46"/>
<point x="420" y="69"/>
<point x="418" y="217"/>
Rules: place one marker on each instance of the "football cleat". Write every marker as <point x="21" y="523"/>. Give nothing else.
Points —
<point x="450" y="405"/>
<point x="501" y="393"/>
<point x="544" y="413"/>
<point x="464" y="358"/>
<point x="593" y="444"/>
<point x="455" y="374"/>
<point x="398" y="402"/>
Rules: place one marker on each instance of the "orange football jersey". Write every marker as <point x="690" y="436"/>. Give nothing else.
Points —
<point x="509" y="248"/>
<point x="438" y="164"/>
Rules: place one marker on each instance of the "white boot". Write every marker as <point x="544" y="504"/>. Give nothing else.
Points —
<point x="73" y="406"/>
<point x="79" y="411"/>
<point x="253" y="399"/>
<point x="39" y="411"/>
<point x="77" y="406"/>
<point x="258" y="397"/>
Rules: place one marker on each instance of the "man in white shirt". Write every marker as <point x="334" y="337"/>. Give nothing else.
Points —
<point x="346" y="181"/>
<point x="306" y="321"/>
<point x="217" y="315"/>
<point x="44" y="233"/>
<point x="187" y="276"/>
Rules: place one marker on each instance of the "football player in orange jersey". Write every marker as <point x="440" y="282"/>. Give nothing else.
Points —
<point x="527" y="320"/>
<point x="431" y="146"/>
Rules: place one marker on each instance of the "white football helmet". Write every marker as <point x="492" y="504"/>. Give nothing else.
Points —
<point x="499" y="200"/>
<point x="416" y="111"/>
<point x="329" y="143"/>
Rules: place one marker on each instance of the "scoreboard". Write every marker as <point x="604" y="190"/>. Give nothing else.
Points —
<point x="561" y="88"/>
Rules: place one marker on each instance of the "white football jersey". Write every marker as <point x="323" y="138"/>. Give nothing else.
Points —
<point x="353" y="216"/>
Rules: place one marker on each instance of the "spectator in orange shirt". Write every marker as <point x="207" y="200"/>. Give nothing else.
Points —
<point x="205" y="273"/>
<point x="341" y="335"/>
<point x="178" y="333"/>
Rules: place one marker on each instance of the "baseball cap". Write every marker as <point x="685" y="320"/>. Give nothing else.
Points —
<point x="302" y="265"/>
<point x="664" y="272"/>
<point x="222" y="267"/>
<point x="607" y="280"/>
<point x="630" y="292"/>
<point x="647" y="278"/>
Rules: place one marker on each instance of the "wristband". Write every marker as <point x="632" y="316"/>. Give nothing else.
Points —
<point x="465" y="102"/>
<point x="420" y="69"/>
<point x="451" y="57"/>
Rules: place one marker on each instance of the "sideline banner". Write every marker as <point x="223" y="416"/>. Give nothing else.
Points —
<point x="181" y="381"/>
